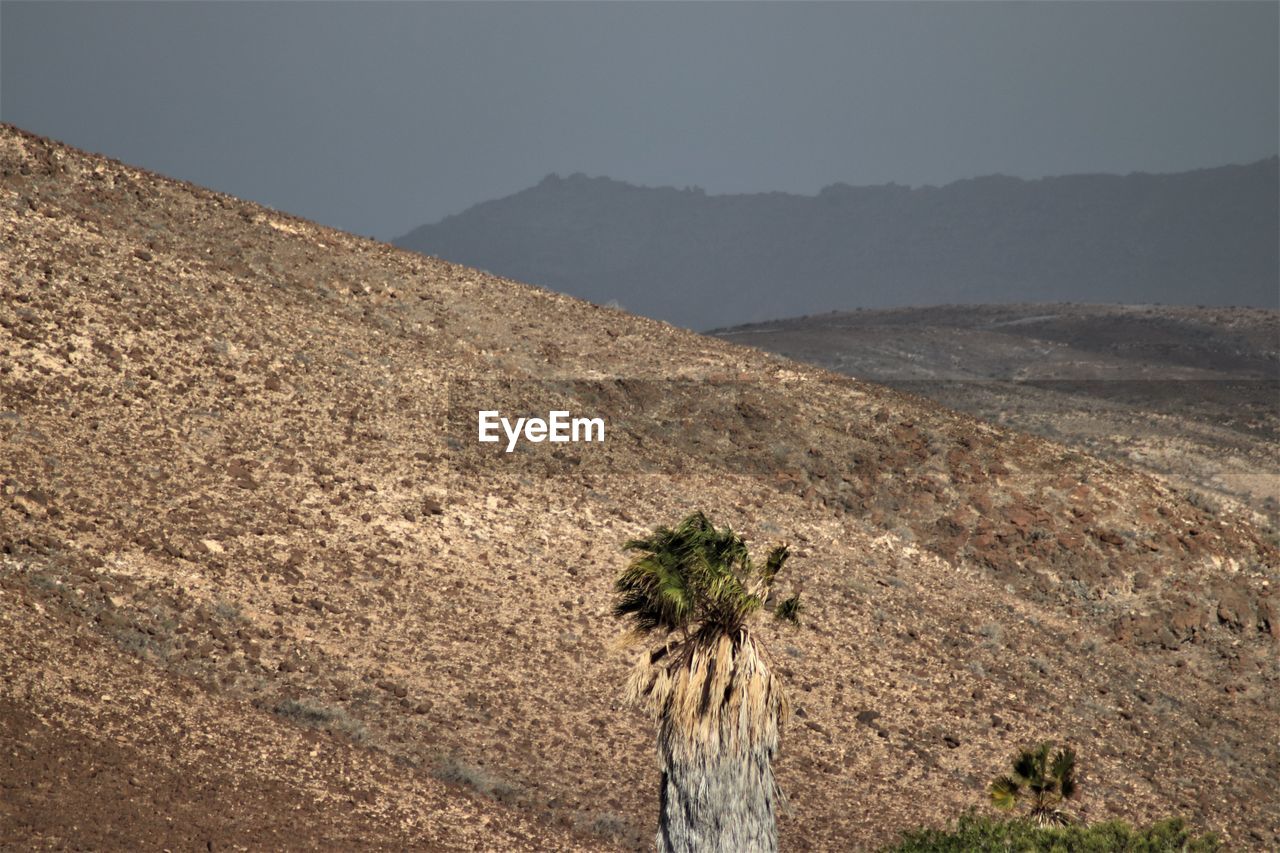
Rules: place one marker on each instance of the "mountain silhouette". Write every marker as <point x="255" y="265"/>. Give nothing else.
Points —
<point x="1207" y="236"/>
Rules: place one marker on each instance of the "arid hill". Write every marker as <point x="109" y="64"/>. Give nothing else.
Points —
<point x="261" y="586"/>
<point x="1190" y="393"/>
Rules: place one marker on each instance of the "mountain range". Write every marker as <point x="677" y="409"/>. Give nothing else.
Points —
<point x="698" y="260"/>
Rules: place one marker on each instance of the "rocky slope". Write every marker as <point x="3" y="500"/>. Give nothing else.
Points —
<point x="1189" y="393"/>
<point x="255" y="567"/>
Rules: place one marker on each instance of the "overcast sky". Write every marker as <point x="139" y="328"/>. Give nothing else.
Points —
<point x="378" y="117"/>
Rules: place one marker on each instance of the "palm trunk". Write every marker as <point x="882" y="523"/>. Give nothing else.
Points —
<point x="719" y="709"/>
<point x="718" y="802"/>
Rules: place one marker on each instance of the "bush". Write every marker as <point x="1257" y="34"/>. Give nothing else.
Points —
<point x="458" y="772"/>
<point x="330" y="719"/>
<point x="974" y="833"/>
<point x="608" y="825"/>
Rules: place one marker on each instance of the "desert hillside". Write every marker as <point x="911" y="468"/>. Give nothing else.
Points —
<point x="261" y="586"/>
<point x="1189" y="393"/>
<point x="702" y="260"/>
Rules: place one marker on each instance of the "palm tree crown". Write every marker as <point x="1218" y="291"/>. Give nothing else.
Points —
<point x="1041" y="777"/>
<point x="694" y="574"/>
<point x="708" y="684"/>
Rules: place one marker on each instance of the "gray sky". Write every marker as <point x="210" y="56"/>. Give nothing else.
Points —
<point x="378" y="117"/>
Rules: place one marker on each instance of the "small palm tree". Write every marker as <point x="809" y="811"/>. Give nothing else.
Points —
<point x="708" y="683"/>
<point x="1041" y="777"/>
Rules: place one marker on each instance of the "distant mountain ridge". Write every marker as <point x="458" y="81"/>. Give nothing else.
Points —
<point x="1206" y="236"/>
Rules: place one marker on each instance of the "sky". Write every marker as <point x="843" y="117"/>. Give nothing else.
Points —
<point x="379" y="117"/>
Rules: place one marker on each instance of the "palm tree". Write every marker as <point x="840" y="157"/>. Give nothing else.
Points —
<point x="1041" y="779"/>
<point x="708" y="683"/>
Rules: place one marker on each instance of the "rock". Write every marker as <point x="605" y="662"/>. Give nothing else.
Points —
<point x="1234" y="609"/>
<point x="142" y="254"/>
<point x="431" y="506"/>
<point x="1187" y="618"/>
<point x="868" y="718"/>
<point x="1109" y="537"/>
<point x="25" y="505"/>
<point x="239" y="473"/>
<point x="1019" y="518"/>
<point x="394" y="688"/>
<point x="1269" y="618"/>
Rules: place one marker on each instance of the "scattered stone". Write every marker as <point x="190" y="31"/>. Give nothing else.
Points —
<point x="1187" y="619"/>
<point x="1109" y="537"/>
<point x="1269" y="618"/>
<point x="27" y="506"/>
<point x="1234" y="608"/>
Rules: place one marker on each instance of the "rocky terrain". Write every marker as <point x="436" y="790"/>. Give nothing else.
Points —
<point x="1189" y="393"/>
<point x="260" y="586"/>
<point x="702" y="260"/>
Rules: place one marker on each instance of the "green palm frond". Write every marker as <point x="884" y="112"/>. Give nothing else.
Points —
<point x="777" y="558"/>
<point x="1041" y="777"/>
<point x="1042" y="785"/>
<point x="693" y="574"/>
<point x="653" y="591"/>
<point x="789" y="609"/>
<point x="1027" y="764"/>
<point x="1004" y="792"/>
<point x="1063" y="770"/>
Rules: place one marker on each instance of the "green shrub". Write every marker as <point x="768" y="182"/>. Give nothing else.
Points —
<point x="975" y="833"/>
